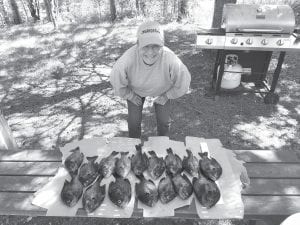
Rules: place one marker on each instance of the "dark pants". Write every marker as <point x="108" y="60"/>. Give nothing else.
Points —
<point x="135" y="119"/>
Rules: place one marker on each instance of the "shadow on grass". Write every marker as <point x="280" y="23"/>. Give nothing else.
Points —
<point x="55" y="89"/>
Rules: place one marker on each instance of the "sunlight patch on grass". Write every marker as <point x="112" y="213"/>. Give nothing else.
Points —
<point x="10" y="45"/>
<point x="89" y="35"/>
<point x="267" y="132"/>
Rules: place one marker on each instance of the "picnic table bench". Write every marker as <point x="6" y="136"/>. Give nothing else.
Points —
<point x="274" y="192"/>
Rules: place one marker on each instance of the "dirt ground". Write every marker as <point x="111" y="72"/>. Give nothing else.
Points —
<point x="54" y="90"/>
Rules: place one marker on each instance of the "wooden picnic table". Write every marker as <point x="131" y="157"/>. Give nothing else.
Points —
<point x="274" y="192"/>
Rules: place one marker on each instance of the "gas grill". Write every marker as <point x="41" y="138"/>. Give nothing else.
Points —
<point x="251" y="33"/>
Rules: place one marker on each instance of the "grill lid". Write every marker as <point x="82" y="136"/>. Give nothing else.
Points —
<point x="244" y="18"/>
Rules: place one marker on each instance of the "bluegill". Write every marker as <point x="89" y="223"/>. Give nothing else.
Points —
<point x="183" y="186"/>
<point x="156" y="166"/>
<point x="173" y="163"/>
<point x="107" y="165"/>
<point x="123" y="165"/>
<point x="88" y="172"/>
<point x="206" y="191"/>
<point x="190" y="164"/>
<point x="119" y="192"/>
<point x="93" y="196"/>
<point x="146" y="191"/>
<point x="209" y="167"/>
<point x="166" y="191"/>
<point x="74" y="160"/>
<point x="71" y="191"/>
<point x="139" y="161"/>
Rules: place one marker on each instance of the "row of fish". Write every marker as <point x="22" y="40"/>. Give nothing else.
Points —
<point x="204" y="172"/>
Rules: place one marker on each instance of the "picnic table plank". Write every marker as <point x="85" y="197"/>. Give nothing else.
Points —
<point x="22" y="183"/>
<point x="30" y="155"/>
<point x="20" y="204"/>
<point x="273" y="187"/>
<point x="29" y="168"/>
<point x="273" y="170"/>
<point x="271" y="205"/>
<point x="267" y="156"/>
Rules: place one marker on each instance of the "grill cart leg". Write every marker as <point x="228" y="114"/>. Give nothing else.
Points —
<point x="215" y="73"/>
<point x="271" y="97"/>
<point x="220" y="71"/>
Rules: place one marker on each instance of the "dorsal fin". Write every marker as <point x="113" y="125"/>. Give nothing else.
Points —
<point x="75" y="149"/>
<point x="169" y="151"/>
<point x="91" y="158"/>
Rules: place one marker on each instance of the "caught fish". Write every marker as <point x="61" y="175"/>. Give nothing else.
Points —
<point x="166" y="191"/>
<point x="119" y="192"/>
<point x="183" y="186"/>
<point x="123" y="165"/>
<point x="74" y="160"/>
<point x="146" y="192"/>
<point x="190" y="164"/>
<point x="93" y="196"/>
<point x="139" y="161"/>
<point x="88" y="172"/>
<point x="107" y="165"/>
<point x="156" y="166"/>
<point x="206" y="191"/>
<point x="209" y="167"/>
<point x="173" y="163"/>
<point x="71" y="191"/>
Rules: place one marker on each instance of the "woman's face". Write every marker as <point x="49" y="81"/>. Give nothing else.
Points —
<point x="150" y="53"/>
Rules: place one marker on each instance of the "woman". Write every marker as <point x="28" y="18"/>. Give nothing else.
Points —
<point x="149" y="69"/>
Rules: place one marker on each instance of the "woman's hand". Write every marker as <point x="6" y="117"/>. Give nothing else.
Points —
<point x="161" y="100"/>
<point x="136" y="99"/>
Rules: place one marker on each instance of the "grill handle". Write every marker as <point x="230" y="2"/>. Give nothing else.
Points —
<point x="252" y="30"/>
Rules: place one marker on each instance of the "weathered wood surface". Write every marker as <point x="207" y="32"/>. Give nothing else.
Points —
<point x="274" y="188"/>
<point x="30" y="155"/>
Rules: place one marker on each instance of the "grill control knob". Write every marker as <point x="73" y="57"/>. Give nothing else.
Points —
<point x="280" y="42"/>
<point x="209" y="41"/>
<point x="264" y="42"/>
<point x="234" y="41"/>
<point x="249" y="41"/>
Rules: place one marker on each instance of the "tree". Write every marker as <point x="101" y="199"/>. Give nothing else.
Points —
<point x="15" y="12"/>
<point x="218" y="11"/>
<point x="49" y="12"/>
<point x="33" y="6"/>
<point x="113" y="11"/>
<point x="182" y="10"/>
<point x="4" y="13"/>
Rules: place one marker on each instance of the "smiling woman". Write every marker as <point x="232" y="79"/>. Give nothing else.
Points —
<point x="149" y="69"/>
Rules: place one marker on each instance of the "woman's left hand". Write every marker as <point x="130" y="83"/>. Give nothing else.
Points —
<point x="161" y="100"/>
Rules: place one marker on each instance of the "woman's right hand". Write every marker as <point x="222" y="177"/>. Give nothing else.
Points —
<point x="136" y="99"/>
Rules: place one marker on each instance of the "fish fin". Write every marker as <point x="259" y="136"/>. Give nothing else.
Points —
<point x="140" y="177"/>
<point x="92" y="158"/>
<point x="75" y="149"/>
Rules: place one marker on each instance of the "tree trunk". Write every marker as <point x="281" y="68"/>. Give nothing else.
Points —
<point x="49" y="9"/>
<point x="4" y="13"/>
<point x="113" y="11"/>
<point x="143" y="7"/>
<point x="182" y="10"/>
<point x="15" y="11"/>
<point x="137" y="6"/>
<point x="33" y="10"/>
<point x="218" y="11"/>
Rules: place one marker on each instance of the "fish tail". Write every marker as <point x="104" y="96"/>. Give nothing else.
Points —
<point x="114" y="153"/>
<point x="138" y="147"/>
<point x="204" y="154"/>
<point x="152" y="153"/>
<point x="169" y="151"/>
<point x="75" y="149"/>
<point x="92" y="158"/>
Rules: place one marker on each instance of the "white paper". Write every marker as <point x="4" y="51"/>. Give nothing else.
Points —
<point x="230" y="204"/>
<point x="49" y="196"/>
